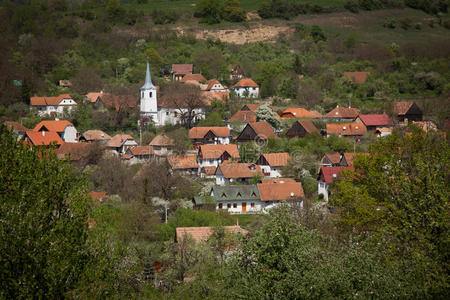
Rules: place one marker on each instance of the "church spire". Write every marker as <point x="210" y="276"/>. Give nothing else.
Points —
<point x="148" y="80"/>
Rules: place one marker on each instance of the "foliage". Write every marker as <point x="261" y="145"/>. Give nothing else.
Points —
<point x="265" y="113"/>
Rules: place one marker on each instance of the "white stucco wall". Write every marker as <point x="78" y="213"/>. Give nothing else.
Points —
<point x="253" y="92"/>
<point x="70" y="134"/>
<point x="322" y="188"/>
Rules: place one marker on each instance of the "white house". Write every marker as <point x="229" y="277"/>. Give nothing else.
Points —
<point x="271" y="163"/>
<point x="120" y="143"/>
<point x="210" y="156"/>
<point x="230" y="172"/>
<point x="53" y="105"/>
<point x="65" y="129"/>
<point x="246" y="87"/>
<point x="326" y="176"/>
<point x="210" y="135"/>
<point x="214" y="85"/>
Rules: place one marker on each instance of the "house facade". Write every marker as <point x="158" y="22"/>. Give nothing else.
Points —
<point x="183" y="164"/>
<point x="65" y="129"/>
<point x="229" y="172"/>
<point x="210" y="156"/>
<point x="271" y="163"/>
<point x="301" y="128"/>
<point x="17" y="128"/>
<point x="326" y="177"/>
<point x="407" y="111"/>
<point x="180" y="70"/>
<point x="351" y="130"/>
<point x="162" y="145"/>
<point x="342" y="114"/>
<point x="53" y="105"/>
<point x="120" y="143"/>
<point x="246" y="88"/>
<point x="374" y="122"/>
<point x="256" y="132"/>
<point x="210" y="135"/>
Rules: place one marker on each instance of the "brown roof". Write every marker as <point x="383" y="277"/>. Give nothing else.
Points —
<point x="342" y="112"/>
<point x="246" y="82"/>
<point x="180" y="69"/>
<point x="245" y="116"/>
<point x="376" y="120"/>
<point x="73" y="151"/>
<point x="277" y="159"/>
<point x="172" y="102"/>
<point x="16" y="126"/>
<point x="53" y="125"/>
<point x="203" y="233"/>
<point x="299" y="113"/>
<point x="357" y="77"/>
<point x="209" y="96"/>
<point x="349" y="157"/>
<point x="119" y="102"/>
<point x="119" y="139"/>
<point x="252" y="107"/>
<point x="239" y="170"/>
<point x="215" y="151"/>
<point x="401" y="108"/>
<point x="209" y="170"/>
<point x="93" y="96"/>
<point x="193" y="77"/>
<point x="277" y="180"/>
<point x="45" y="138"/>
<point x="141" y="150"/>
<point x="346" y="128"/>
<point x="200" y="132"/>
<point x="178" y="162"/>
<point x="263" y="129"/>
<point x="44" y="101"/>
<point x="334" y="157"/>
<point x="96" y="135"/>
<point x="308" y="126"/>
<point x="280" y="191"/>
<point x="162" y="140"/>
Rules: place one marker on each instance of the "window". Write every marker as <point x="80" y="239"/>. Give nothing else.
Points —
<point x="150" y="93"/>
<point x="220" y="205"/>
<point x="167" y="113"/>
<point x="234" y="205"/>
<point x="252" y="205"/>
<point x="229" y="205"/>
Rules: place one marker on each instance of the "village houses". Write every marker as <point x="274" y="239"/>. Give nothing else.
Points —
<point x="271" y="163"/>
<point x="53" y="105"/>
<point x="63" y="128"/>
<point x="210" y="135"/>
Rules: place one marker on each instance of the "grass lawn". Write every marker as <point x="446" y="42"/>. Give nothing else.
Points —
<point x="245" y="220"/>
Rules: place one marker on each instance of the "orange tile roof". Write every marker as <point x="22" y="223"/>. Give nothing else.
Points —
<point x="93" y="96"/>
<point x="277" y="180"/>
<point x="245" y="116"/>
<point x="74" y="151"/>
<point x="39" y="138"/>
<point x="200" y="132"/>
<point x="53" y="125"/>
<point x="280" y="191"/>
<point x="246" y="82"/>
<point x="401" y="108"/>
<point x="357" y="77"/>
<point x="194" y="77"/>
<point x="44" y="101"/>
<point x="178" y="162"/>
<point x="308" y="126"/>
<point x="97" y="195"/>
<point x="298" y="113"/>
<point x="201" y="234"/>
<point x="348" y="129"/>
<point x="333" y="157"/>
<point x="162" y="140"/>
<point x="277" y="159"/>
<point x="263" y="129"/>
<point x="342" y="112"/>
<point x="349" y="157"/>
<point x="16" y="126"/>
<point x="141" y="150"/>
<point x="180" y="69"/>
<point x="118" y="140"/>
<point x="216" y="151"/>
<point x="209" y="170"/>
<point x="210" y="83"/>
<point x="239" y="170"/>
<point x="96" y="135"/>
<point x="209" y="96"/>
<point x="252" y="107"/>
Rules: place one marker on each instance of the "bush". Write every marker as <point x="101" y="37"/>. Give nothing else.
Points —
<point x="390" y="23"/>
<point x="352" y="6"/>
<point x="405" y="23"/>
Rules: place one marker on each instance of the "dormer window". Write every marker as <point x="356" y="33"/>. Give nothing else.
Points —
<point x="238" y="194"/>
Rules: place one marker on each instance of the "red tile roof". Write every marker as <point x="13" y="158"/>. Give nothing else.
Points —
<point x="119" y="139"/>
<point x="201" y="234"/>
<point x="401" y="108"/>
<point x="342" y="112"/>
<point x="216" y="151"/>
<point x="357" y="77"/>
<point x="141" y="150"/>
<point x="280" y="191"/>
<point x="349" y="157"/>
<point x="53" y="125"/>
<point x="162" y="140"/>
<point x="277" y="180"/>
<point x="263" y="129"/>
<point x="333" y="157"/>
<point x="277" y="159"/>
<point x="308" y="126"/>
<point x="252" y="107"/>
<point x="178" y="162"/>
<point x="73" y="151"/>
<point x="44" y="101"/>
<point x="39" y="138"/>
<point x="299" y="113"/>
<point x="328" y="174"/>
<point x="246" y="82"/>
<point x="376" y="120"/>
<point x="193" y="77"/>
<point x="182" y="69"/>
<point x="16" y="126"/>
<point x="239" y="170"/>
<point x="96" y="135"/>
<point x="200" y="132"/>
<point x="245" y="116"/>
<point x="346" y="129"/>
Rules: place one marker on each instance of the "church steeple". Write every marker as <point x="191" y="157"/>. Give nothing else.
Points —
<point x="148" y="85"/>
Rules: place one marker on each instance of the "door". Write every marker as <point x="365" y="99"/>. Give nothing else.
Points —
<point x="244" y="206"/>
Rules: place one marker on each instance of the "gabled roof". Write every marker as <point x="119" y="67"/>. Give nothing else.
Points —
<point x="141" y="150"/>
<point x="44" y="101"/>
<point x="182" y="69"/>
<point x="245" y="116"/>
<point x="263" y="129"/>
<point x="348" y="129"/>
<point x="201" y="234"/>
<point x="245" y="82"/>
<point x="357" y="77"/>
<point x="96" y="135"/>
<point x="200" y="132"/>
<point x="299" y="113"/>
<point x="178" y="162"/>
<point x="43" y="138"/>
<point x="209" y="171"/>
<point x="308" y="126"/>
<point x="209" y="96"/>
<point x="194" y="77"/>
<point x="376" y="120"/>
<point x="342" y="112"/>
<point x="235" y="192"/>
<point x="53" y="125"/>
<point x="277" y="180"/>
<point x="402" y="108"/>
<point x="333" y="157"/>
<point x="171" y="102"/>
<point x="331" y="173"/>
<point x="251" y="107"/>
<point x="93" y="96"/>
<point x="239" y="170"/>
<point x="280" y="191"/>
<point x="277" y="159"/>
<point x="74" y="151"/>
<point x="16" y="126"/>
<point x="349" y="157"/>
<point x="216" y="151"/>
<point x="162" y="140"/>
<point x="119" y="139"/>
<point x="210" y="83"/>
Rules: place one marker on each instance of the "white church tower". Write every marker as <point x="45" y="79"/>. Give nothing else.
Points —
<point x="149" y="103"/>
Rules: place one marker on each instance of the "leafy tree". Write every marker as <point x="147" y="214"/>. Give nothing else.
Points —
<point x="317" y="34"/>
<point x="265" y="113"/>
<point x="210" y="11"/>
<point x="114" y="10"/>
<point x="43" y="222"/>
<point x="232" y="11"/>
